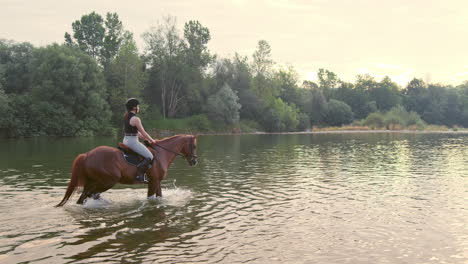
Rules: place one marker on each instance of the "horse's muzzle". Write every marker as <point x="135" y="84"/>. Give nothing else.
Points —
<point x="193" y="161"/>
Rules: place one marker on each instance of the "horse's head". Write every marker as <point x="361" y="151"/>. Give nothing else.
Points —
<point x="190" y="150"/>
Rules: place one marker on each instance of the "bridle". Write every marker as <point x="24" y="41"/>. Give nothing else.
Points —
<point x="176" y="153"/>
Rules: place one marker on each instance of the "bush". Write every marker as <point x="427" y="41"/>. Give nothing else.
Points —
<point x="304" y="122"/>
<point x="280" y="116"/>
<point x="5" y="118"/>
<point x="67" y="99"/>
<point x="374" y="120"/>
<point x="248" y="126"/>
<point x="181" y="125"/>
<point x="436" y="128"/>
<point x="415" y="120"/>
<point x="199" y="123"/>
<point x="395" y="119"/>
<point x="150" y="112"/>
<point x="338" y="113"/>
<point x="224" y="106"/>
<point x="391" y="121"/>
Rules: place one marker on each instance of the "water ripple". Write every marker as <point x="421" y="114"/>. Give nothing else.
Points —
<point x="257" y="199"/>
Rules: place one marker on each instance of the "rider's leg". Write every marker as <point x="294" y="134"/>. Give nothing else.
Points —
<point x="141" y="149"/>
<point x="142" y="167"/>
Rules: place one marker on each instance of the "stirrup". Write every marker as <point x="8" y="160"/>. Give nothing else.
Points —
<point x="142" y="178"/>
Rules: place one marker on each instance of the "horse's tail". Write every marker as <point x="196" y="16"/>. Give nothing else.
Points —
<point x="77" y="179"/>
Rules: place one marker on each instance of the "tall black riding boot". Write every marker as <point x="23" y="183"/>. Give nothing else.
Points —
<point x="141" y="170"/>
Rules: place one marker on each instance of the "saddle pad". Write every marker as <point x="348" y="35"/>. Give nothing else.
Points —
<point x="131" y="157"/>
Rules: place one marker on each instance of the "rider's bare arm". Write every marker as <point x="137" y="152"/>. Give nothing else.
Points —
<point x="135" y="121"/>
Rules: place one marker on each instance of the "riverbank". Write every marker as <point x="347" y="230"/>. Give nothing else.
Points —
<point x="329" y="130"/>
<point x="200" y="125"/>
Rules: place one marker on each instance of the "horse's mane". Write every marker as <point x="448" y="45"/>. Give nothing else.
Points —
<point x="171" y="137"/>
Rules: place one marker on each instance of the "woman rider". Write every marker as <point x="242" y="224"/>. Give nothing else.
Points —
<point x="134" y="130"/>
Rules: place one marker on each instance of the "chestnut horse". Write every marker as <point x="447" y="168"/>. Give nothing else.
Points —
<point x="101" y="168"/>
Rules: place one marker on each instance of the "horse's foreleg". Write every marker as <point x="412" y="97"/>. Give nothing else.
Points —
<point x="158" y="189"/>
<point x="151" y="189"/>
<point x="154" y="188"/>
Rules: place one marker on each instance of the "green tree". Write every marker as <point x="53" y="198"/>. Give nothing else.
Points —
<point x="286" y="82"/>
<point x="328" y="82"/>
<point x="165" y="56"/>
<point x="24" y="122"/>
<point x="197" y="37"/>
<point x="262" y="69"/>
<point x="100" y="39"/>
<point x="237" y="73"/>
<point x="68" y="96"/>
<point x="15" y="66"/>
<point x="415" y="96"/>
<point x="454" y="110"/>
<point x="197" y="57"/>
<point x="436" y="107"/>
<point x="224" y="106"/>
<point x="328" y="79"/>
<point x="113" y="38"/>
<point x="360" y="100"/>
<point x="125" y="77"/>
<point x="338" y="113"/>
<point x="435" y="103"/>
<point x="89" y="34"/>
<point x="262" y="61"/>
<point x="280" y="116"/>
<point x="463" y="97"/>
<point x="271" y="110"/>
<point x="4" y="106"/>
<point x="318" y="107"/>
<point x="386" y="94"/>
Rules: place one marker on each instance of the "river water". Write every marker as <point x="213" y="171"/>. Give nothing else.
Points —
<point x="311" y="198"/>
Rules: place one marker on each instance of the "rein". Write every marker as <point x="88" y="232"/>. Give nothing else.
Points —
<point x="170" y="150"/>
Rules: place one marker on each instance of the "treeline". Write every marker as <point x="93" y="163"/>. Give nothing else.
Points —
<point x="79" y="87"/>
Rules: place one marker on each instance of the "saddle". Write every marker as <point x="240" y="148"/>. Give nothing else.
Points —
<point x="129" y="155"/>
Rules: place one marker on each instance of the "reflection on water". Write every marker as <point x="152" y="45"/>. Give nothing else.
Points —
<point x="340" y="198"/>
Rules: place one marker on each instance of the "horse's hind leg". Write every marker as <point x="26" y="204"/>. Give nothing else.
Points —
<point x="88" y="191"/>
<point x="98" y="188"/>
<point x="93" y="189"/>
<point x="96" y="194"/>
<point x="84" y="195"/>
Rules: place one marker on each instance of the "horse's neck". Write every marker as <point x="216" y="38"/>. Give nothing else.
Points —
<point x="172" y="143"/>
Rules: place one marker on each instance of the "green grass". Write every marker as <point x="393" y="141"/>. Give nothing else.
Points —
<point x="193" y="124"/>
<point x="200" y="124"/>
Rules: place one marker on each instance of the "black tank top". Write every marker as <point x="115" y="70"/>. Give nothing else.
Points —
<point x="129" y="129"/>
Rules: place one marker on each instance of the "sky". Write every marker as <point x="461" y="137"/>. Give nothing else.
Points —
<point x="409" y="39"/>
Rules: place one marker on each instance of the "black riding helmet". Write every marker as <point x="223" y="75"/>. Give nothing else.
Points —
<point x="131" y="103"/>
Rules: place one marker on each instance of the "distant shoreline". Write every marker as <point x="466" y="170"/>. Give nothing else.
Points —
<point x="167" y="133"/>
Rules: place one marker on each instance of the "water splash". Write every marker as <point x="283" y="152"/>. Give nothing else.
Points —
<point x="115" y="199"/>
